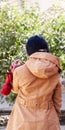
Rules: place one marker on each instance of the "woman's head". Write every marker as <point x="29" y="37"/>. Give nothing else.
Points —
<point x="36" y="44"/>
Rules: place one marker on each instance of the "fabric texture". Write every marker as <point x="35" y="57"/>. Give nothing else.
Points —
<point x="38" y="103"/>
<point x="7" y="86"/>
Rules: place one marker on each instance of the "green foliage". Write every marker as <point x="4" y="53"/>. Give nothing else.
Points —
<point x="17" y="26"/>
<point x="54" y="32"/>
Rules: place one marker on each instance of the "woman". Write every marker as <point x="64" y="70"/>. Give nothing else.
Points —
<point x="38" y="103"/>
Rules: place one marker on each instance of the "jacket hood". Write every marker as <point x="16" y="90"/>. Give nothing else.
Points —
<point x="43" y="64"/>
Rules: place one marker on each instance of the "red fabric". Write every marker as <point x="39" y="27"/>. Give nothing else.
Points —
<point x="6" y="88"/>
<point x="9" y="77"/>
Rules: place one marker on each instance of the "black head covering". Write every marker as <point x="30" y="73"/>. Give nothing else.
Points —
<point x="36" y="44"/>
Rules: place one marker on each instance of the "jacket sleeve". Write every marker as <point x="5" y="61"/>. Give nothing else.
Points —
<point x="57" y="98"/>
<point x="15" y="85"/>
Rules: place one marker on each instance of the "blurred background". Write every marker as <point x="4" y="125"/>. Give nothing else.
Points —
<point x="20" y="19"/>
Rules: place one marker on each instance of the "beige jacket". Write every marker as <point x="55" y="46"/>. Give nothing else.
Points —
<point x="38" y="103"/>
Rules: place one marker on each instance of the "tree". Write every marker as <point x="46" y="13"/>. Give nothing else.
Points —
<point x="53" y="26"/>
<point x="17" y="26"/>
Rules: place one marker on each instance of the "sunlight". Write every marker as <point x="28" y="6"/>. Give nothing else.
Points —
<point x="45" y="4"/>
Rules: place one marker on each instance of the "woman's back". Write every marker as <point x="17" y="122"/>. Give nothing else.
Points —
<point x="37" y="106"/>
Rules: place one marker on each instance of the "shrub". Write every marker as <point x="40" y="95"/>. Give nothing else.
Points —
<point x="54" y="32"/>
<point x="17" y="26"/>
